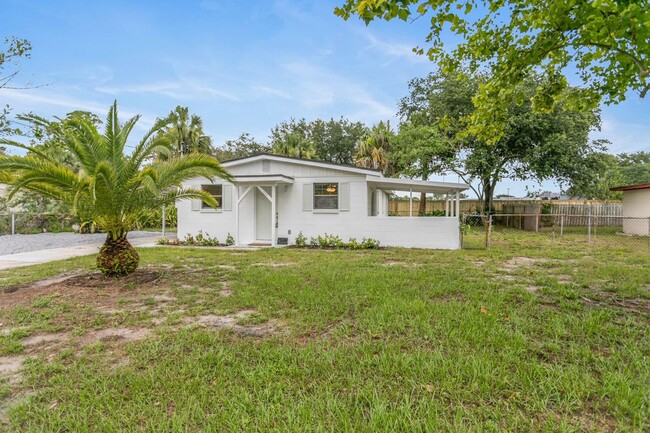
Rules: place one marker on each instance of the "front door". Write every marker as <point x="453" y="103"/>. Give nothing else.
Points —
<point x="262" y="215"/>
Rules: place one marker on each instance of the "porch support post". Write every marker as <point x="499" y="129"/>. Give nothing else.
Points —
<point x="411" y="201"/>
<point x="447" y="204"/>
<point x="457" y="204"/>
<point x="237" y="243"/>
<point x="273" y="229"/>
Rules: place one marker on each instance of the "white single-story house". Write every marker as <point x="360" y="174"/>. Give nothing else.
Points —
<point x="274" y="198"/>
<point x="636" y="208"/>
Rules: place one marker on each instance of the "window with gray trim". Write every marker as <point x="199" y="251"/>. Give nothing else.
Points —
<point x="215" y="191"/>
<point x="326" y="196"/>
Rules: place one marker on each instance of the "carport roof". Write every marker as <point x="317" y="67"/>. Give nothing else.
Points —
<point x="631" y="187"/>
<point x="416" y="185"/>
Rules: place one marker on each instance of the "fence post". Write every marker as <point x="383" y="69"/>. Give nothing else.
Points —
<point x="164" y="220"/>
<point x="13" y="223"/>
<point x="589" y="226"/>
<point x="561" y="225"/>
<point x="489" y="232"/>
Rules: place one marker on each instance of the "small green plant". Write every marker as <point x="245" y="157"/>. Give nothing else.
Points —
<point x="230" y="240"/>
<point x="313" y="242"/>
<point x="369" y="244"/>
<point x="162" y="241"/>
<point x="301" y="240"/>
<point x="189" y="240"/>
<point x="353" y="244"/>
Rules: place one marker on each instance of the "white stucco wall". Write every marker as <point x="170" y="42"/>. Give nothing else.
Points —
<point x="636" y="204"/>
<point x="425" y="232"/>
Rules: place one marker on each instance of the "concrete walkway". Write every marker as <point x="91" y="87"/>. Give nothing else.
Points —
<point x="43" y="256"/>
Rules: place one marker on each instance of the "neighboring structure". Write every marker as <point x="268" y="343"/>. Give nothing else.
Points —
<point x="274" y="198"/>
<point x="636" y="205"/>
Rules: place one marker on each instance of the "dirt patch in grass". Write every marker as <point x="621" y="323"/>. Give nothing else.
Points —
<point x="213" y="321"/>
<point x="122" y="335"/>
<point x="601" y="298"/>
<point x="517" y="262"/>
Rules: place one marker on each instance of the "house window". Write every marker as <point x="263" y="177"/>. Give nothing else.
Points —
<point x="215" y="191"/>
<point x="326" y="196"/>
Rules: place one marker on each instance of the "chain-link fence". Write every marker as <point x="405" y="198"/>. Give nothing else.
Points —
<point x="48" y="222"/>
<point x="521" y="231"/>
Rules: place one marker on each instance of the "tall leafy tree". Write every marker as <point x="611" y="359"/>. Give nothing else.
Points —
<point x="607" y="42"/>
<point x="242" y="146"/>
<point x="602" y="171"/>
<point x="534" y="146"/>
<point x="334" y="140"/>
<point x="186" y="133"/>
<point x="419" y="151"/>
<point x="112" y="188"/>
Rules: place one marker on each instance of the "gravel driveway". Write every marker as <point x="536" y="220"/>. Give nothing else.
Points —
<point x="45" y="241"/>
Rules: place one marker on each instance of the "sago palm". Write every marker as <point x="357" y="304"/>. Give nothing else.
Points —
<point x="114" y="189"/>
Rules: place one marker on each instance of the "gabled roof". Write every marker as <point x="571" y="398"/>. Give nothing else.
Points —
<point x="631" y="187"/>
<point x="309" y="162"/>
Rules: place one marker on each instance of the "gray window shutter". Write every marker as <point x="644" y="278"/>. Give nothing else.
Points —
<point x="227" y="198"/>
<point x="196" y="203"/>
<point x="344" y="196"/>
<point x="308" y="196"/>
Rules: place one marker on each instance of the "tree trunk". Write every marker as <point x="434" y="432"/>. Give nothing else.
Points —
<point x="488" y="195"/>
<point x="117" y="257"/>
<point x="423" y="204"/>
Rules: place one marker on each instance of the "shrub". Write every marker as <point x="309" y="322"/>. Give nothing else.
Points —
<point x="313" y="242"/>
<point x="162" y="241"/>
<point x="230" y="240"/>
<point x="369" y="244"/>
<point x="353" y="244"/>
<point x="301" y="240"/>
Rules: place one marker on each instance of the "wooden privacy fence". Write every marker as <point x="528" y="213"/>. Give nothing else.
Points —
<point x="576" y="212"/>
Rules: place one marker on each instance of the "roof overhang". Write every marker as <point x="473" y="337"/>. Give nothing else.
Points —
<point x="631" y="187"/>
<point x="416" y="185"/>
<point x="264" y="179"/>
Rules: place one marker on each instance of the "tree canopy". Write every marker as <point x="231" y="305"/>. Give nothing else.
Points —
<point x="605" y="44"/>
<point x="334" y="140"/>
<point x="244" y="145"/>
<point x="186" y="133"/>
<point x="534" y="145"/>
<point x="15" y="50"/>
<point x="602" y="171"/>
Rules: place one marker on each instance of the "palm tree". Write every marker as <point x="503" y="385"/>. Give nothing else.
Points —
<point x="113" y="189"/>
<point x="295" y="146"/>
<point x="373" y="149"/>
<point x="185" y="132"/>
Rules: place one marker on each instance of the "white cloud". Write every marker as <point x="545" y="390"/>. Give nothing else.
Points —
<point x="180" y="89"/>
<point x="43" y="102"/>
<point x="320" y="89"/>
<point x="393" y="50"/>
<point x="271" y="91"/>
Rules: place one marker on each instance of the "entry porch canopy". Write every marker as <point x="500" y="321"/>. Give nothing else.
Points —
<point x="244" y="184"/>
<point x="450" y="190"/>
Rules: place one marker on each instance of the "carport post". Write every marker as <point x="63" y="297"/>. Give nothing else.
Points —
<point x="411" y="201"/>
<point x="13" y="223"/>
<point x="458" y="204"/>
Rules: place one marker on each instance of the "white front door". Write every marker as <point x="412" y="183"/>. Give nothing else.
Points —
<point x="262" y="215"/>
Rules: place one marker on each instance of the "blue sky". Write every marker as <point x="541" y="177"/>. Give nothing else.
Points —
<point x="242" y="66"/>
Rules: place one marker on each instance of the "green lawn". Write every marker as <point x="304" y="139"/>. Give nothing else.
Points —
<point x="543" y="339"/>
